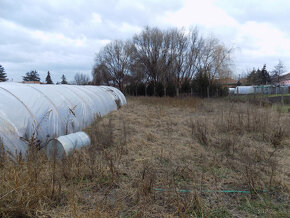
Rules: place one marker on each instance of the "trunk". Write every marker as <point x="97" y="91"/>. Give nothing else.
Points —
<point x="207" y="92"/>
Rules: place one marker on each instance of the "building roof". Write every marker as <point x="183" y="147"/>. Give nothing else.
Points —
<point x="227" y="81"/>
<point x="285" y="82"/>
<point x="244" y="80"/>
<point x="285" y="77"/>
<point x="31" y="82"/>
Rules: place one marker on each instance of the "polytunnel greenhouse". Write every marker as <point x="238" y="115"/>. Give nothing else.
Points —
<point x="49" y="111"/>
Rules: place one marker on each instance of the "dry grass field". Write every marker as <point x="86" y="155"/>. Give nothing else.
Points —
<point x="161" y="157"/>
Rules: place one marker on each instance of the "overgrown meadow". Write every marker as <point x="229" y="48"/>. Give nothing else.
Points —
<point x="161" y="157"/>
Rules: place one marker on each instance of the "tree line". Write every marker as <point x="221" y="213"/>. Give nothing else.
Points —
<point x="163" y="62"/>
<point x="264" y="77"/>
<point x="33" y="76"/>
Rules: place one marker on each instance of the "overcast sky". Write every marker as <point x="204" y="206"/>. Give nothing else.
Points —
<point x="63" y="36"/>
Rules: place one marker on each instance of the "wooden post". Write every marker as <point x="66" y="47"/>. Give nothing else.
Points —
<point x="282" y="97"/>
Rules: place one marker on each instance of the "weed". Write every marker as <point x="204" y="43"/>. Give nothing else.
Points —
<point x="172" y="143"/>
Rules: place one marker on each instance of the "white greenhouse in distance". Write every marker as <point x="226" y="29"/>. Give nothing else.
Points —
<point x="49" y="111"/>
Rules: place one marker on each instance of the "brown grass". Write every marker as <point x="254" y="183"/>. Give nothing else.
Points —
<point x="149" y="150"/>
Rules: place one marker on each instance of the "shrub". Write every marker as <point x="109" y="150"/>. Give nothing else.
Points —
<point x="150" y="89"/>
<point x="170" y="89"/>
<point x="185" y="87"/>
<point x="141" y="89"/>
<point x="159" y="89"/>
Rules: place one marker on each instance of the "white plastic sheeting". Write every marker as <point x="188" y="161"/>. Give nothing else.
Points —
<point x="49" y="111"/>
<point x="232" y="90"/>
<point x="65" y="144"/>
<point x="244" y="90"/>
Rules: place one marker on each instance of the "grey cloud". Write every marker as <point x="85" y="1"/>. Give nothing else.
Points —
<point x="266" y="11"/>
<point x="62" y="37"/>
<point x="54" y="15"/>
<point x="67" y="23"/>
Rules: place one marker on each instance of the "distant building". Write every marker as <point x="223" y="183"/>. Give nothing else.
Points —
<point x="32" y="82"/>
<point x="285" y="80"/>
<point x="228" y="82"/>
<point x="244" y="81"/>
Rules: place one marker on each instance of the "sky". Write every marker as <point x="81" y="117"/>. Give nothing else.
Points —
<point x="63" y="36"/>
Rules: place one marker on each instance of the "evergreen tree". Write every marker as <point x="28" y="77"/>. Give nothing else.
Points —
<point x="170" y="89"/>
<point x="31" y="76"/>
<point x="48" y="78"/>
<point x="185" y="87"/>
<point x="63" y="79"/>
<point x="265" y="76"/>
<point x="252" y="77"/>
<point x="159" y="89"/>
<point x="3" y="76"/>
<point x="201" y="83"/>
<point x="259" y="77"/>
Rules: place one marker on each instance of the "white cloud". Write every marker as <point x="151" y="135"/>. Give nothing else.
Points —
<point x="247" y="25"/>
<point x="261" y="43"/>
<point x="195" y="12"/>
<point x="266" y="39"/>
<point x="64" y="36"/>
<point x="96" y="18"/>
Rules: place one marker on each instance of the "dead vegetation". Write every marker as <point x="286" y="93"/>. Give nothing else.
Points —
<point x="161" y="157"/>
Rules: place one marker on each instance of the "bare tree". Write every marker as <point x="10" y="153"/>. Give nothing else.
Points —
<point x="214" y="59"/>
<point x="81" y="79"/>
<point x="147" y="51"/>
<point x="113" y="63"/>
<point x="196" y="42"/>
<point x="150" y="51"/>
<point x="178" y="56"/>
<point x="279" y="69"/>
<point x="101" y="76"/>
<point x="162" y="56"/>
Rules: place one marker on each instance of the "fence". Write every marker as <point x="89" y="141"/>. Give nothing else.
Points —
<point x="266" y="90"/>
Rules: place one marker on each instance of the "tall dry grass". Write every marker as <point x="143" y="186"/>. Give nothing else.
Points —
<point x="160" y="157"/>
